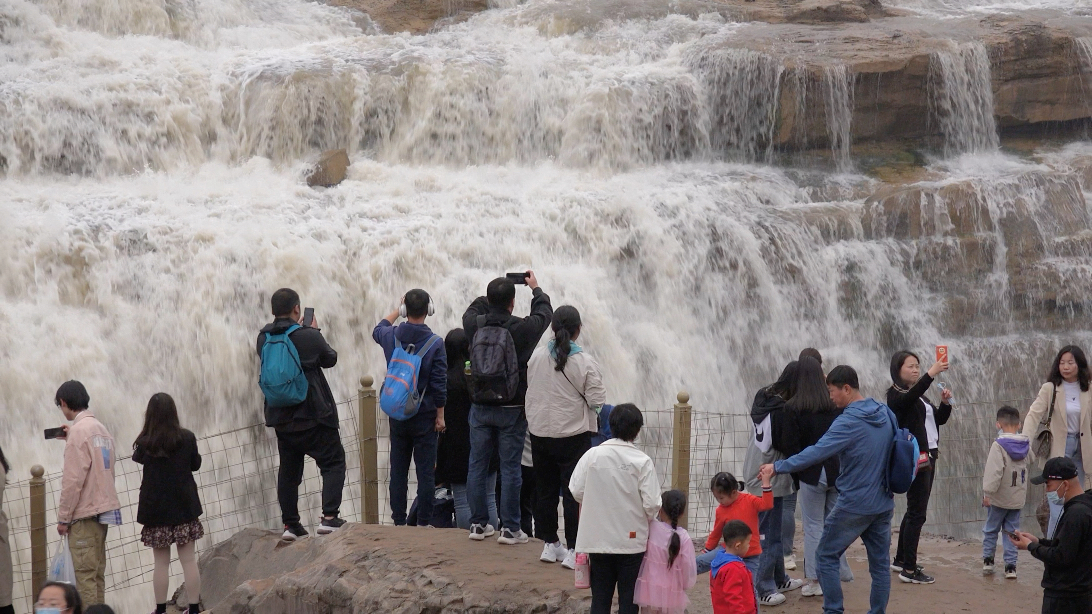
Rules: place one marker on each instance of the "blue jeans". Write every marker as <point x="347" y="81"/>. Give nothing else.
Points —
<point x="414" y="438"/>
<point x="503" y="429"/>
<point x="842" y="529"/>
<point x="998" y="519"/>
<point x="462" y="507"/>
<point x="1072" y="451"/>
<point x="816" y="504"/>
<point x="705" y="563"/>
<point x="788" y="523"/>
<point x="771" y="565"/>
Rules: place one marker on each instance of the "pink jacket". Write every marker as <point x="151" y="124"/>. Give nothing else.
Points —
<point x="87" y="486"/>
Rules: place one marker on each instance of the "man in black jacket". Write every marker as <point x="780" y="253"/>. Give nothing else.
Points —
<point x="309" y="428"/>
<point x="503" y="426"/>
<point x="1067" y="573"/>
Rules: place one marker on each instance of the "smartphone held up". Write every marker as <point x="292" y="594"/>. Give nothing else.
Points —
<point x="57" y="433"/>
<point x="518" y="278"/>
<point x="309" y="316"/>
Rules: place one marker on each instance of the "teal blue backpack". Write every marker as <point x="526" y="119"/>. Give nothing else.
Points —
<point x="399" y="398"/>
<point x="282" y="379"/>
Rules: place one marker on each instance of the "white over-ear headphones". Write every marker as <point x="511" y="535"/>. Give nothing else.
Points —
<point x="431" y="308"/>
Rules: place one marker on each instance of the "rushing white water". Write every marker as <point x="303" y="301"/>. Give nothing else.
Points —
<point x="962" y="98"/>
<point x="153" y="152"/>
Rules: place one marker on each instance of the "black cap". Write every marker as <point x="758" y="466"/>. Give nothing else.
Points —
<point x="1059" y="468"/>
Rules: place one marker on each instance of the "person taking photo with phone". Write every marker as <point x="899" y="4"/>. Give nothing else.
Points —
<point x="89" y="502"/>
<point x="1067" y="568"/>
<point x="300" y="407"/>
<point x="916" y="413"/>
<point x="500" y="346"/>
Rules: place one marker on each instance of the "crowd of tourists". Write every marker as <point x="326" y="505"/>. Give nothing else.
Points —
<point x="502" y="429"/>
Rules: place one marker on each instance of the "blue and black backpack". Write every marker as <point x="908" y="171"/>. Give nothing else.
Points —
<point x="903" y="465"/>
<point x="282" y="379"/>
<point x="399" y="397"/>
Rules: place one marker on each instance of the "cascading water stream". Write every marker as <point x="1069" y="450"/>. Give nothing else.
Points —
<point x="838" y="86"/>
<point x="962" y="98"/>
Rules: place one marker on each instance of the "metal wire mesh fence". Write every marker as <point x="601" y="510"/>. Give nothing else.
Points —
<point x="237" y="484"/>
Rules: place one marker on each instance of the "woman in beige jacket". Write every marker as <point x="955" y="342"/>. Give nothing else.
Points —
<point x="5" y="546"/>
<point x="564" y="395"/>
<point x="1068" y="385"/>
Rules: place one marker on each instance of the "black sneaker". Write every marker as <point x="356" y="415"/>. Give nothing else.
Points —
<point x="1010" y="572"/>
<point x="987" y="566"/>
<point x="897" y="566"/>
<point x="329" y="525"/>
<point x="918" y="577"/>
<point x="294" y="531"/>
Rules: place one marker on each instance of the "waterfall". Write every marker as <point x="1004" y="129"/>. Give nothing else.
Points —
<point x="961" y="99"/>
<point x="152" y="154"/>
<point x="743" y="90"/>
<point x="838" y="86"/>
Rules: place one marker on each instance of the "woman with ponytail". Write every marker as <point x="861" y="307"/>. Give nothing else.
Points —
<point x="669" y="568"/>
<point x="564" y="396"/>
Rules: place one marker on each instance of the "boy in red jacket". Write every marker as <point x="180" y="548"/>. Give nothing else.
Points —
<point x="730" y="582"/>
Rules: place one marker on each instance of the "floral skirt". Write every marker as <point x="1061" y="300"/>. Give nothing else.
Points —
<point x="181" y="534"/>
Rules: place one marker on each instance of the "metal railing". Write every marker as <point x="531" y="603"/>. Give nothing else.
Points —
<point x="237" y="483"/>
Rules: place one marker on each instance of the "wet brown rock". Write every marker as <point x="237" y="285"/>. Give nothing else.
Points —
<point x="363" y="569"/>
<point x="330" y="169"/>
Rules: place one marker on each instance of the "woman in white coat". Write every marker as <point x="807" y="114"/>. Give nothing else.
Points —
<point x="564" y="395"/>
<point x="1068" y="386"/>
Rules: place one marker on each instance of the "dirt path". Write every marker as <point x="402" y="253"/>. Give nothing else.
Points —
<point x="960" y="585"/>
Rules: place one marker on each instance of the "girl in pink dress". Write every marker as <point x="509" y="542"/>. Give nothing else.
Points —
<point x="669" y="567"/>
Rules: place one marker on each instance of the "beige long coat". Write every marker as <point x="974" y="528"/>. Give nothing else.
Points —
<point x="1058" y="425"/>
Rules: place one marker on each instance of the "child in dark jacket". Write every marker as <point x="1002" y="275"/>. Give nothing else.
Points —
<point x="730" y="582"/>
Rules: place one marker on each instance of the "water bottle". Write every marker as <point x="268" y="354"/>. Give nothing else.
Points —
<point x="466" y="368"/>
<point x="944" y="387"/>
<point x="583" y="571"/>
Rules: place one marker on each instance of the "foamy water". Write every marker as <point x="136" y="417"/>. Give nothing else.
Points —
<point x="154" y="152"/>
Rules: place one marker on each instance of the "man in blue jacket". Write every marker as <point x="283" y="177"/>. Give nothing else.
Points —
<point x="415" y="438"/>
<point x="862" y="438"/>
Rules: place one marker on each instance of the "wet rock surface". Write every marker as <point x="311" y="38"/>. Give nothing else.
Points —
<point x="383" y="569"/>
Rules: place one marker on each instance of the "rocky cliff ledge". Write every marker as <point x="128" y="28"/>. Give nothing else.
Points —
<point x="382" y="569"/>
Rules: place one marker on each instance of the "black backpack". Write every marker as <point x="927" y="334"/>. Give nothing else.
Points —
<point x="494" y="366"/>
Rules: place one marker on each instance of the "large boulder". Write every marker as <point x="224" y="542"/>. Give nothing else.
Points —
<point x="366" y="568"/>
<point x="330" y="169"/>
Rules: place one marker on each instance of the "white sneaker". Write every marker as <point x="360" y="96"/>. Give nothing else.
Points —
<point x="478" y="532"/>
<point x="791" y="585"/>
<point x="552" y="553"/>
<point x="570" y="560"/>
<point x="772" y="599"/>
<point x="812" y="590"/>
<point x="790" y="562"/>
<point x="512" y="537"/>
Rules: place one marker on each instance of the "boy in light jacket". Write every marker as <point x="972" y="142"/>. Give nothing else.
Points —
<point x="1004" y="488"/>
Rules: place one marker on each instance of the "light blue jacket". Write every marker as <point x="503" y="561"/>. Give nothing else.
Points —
<point x="862" y="437"/>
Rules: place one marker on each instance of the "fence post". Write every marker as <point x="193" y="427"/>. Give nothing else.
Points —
<point x="369" y="453"/>
<point x="38" y="562"/>
<point x="680" y="450"/>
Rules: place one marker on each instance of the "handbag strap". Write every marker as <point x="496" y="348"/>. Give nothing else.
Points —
<point x="576" y="389"/>
<point x="1050" y="414"/>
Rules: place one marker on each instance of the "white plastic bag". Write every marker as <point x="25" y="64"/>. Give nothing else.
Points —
<point x="61" y="568"/>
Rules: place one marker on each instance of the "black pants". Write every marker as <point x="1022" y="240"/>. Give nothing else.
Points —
<point x="7" y="609"/>
<point x="917" y="502"/>
<point x="1067" y="605"/>
<point x="527" y="501"/>
<point x="554" y="461"/>
<point x="608" y="571"/>
<point x="323" y="444"/>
